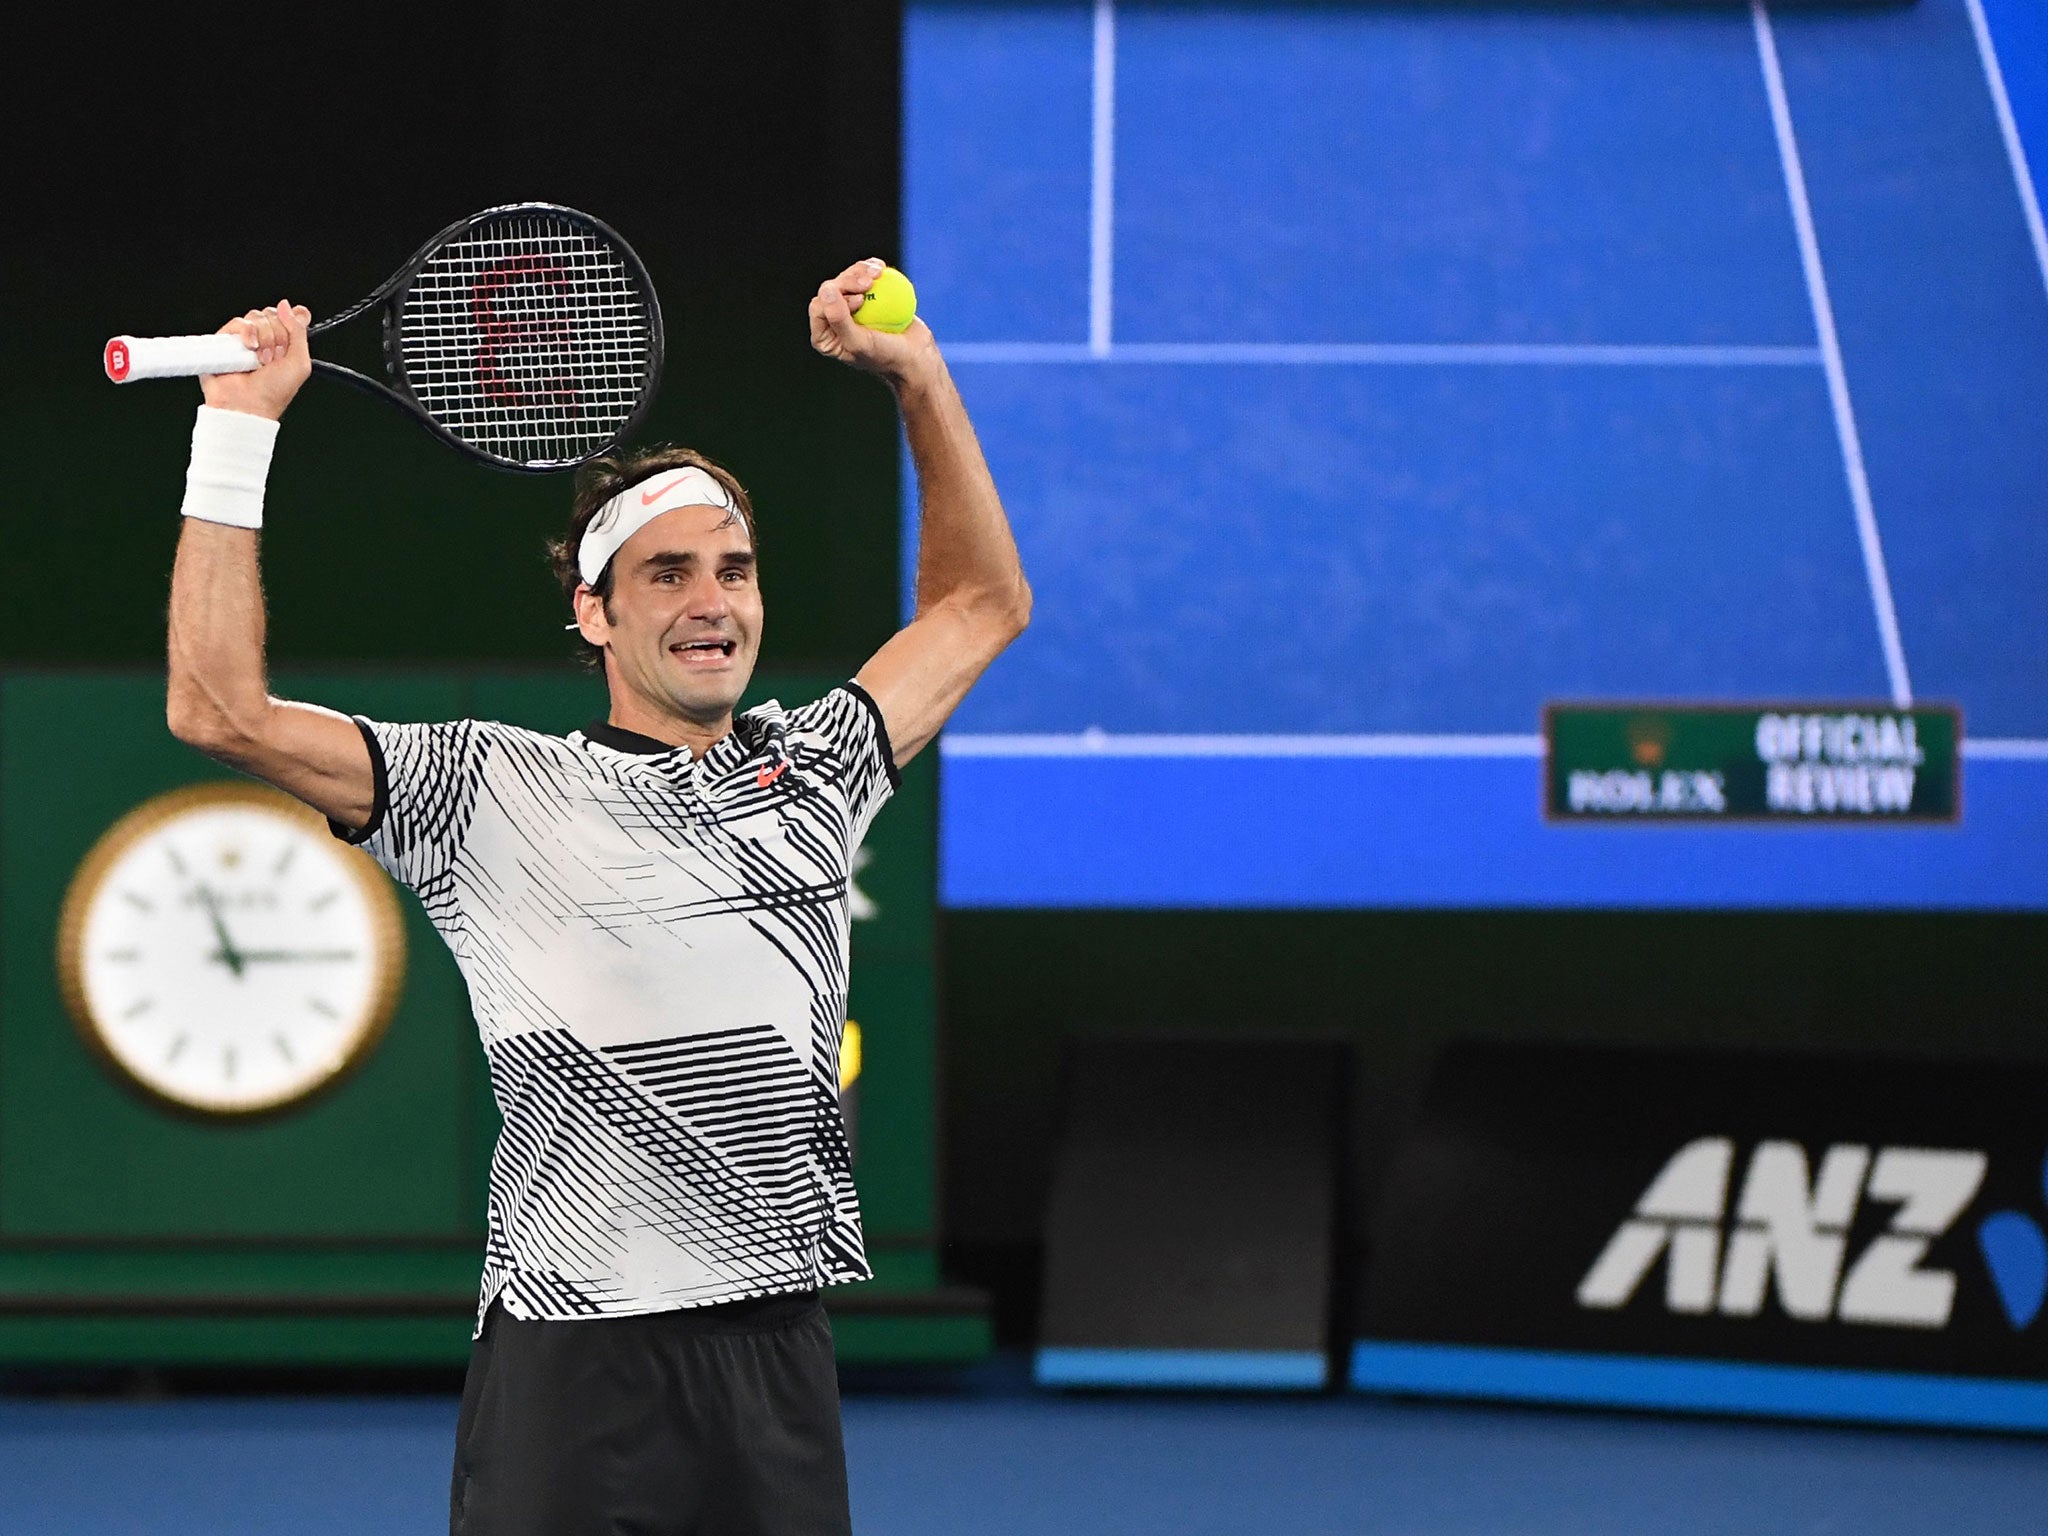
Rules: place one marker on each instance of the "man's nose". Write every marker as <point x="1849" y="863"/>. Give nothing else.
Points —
<point x="706" y="598"/>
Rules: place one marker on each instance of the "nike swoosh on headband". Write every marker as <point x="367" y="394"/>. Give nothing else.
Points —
<point x="649" y="498"/>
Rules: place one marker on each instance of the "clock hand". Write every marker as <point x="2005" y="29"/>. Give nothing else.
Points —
<point x="250" y="955"/>
<point x="227" y="951"/>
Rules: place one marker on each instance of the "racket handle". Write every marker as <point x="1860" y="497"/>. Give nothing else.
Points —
<point x="129" y="358"/>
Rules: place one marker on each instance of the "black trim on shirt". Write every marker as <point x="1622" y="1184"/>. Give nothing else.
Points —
<point x="619" y="739"/>
<point x="881" y="731"/>
<point x="380" y="790"/>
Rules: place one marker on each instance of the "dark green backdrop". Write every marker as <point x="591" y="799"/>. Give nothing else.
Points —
<point x="350" y="1228"/>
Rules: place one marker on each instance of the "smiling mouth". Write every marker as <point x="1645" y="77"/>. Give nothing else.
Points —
<point x="697" y="650"/>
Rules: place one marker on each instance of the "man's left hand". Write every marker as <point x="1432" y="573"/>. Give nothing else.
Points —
<point x="838" y="335"/>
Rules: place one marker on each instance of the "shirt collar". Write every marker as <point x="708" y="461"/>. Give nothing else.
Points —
<point x="605" y="734"/>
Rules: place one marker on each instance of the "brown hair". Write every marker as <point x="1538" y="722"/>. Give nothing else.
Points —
<point x="602" y="479"/>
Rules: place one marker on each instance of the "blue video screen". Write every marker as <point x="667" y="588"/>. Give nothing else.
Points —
<point x="1361" y="381"/>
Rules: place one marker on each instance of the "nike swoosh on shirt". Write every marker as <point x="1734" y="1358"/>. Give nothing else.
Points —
<point x="767" y="776"/>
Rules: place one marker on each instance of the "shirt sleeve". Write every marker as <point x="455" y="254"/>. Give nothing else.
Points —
<point x="850" y="720"/>
<point x="426" y="782"/>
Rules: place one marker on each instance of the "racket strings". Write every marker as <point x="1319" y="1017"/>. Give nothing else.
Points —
<point x="529" y="338"/>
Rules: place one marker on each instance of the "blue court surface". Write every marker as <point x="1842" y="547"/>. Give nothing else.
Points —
<point x="1043" y="1466"/>
<point x="1361" y="378"/>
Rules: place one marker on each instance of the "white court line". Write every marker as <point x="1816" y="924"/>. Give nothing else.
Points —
<point x="1831" y="358"/>
<point x="1102" y="744"/>
<point x="2016" y="749"/>
<point x="1387" y="353"/>
<point x="1102" y="184"/>
<point x="2015" y="151"/>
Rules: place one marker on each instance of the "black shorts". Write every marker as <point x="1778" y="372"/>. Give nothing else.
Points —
<point x="711" y="1421"/>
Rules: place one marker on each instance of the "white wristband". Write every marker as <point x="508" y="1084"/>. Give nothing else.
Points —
<point x="230" y="462"/>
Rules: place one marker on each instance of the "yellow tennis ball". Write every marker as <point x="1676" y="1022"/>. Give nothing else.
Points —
<point x="890" y="305"/>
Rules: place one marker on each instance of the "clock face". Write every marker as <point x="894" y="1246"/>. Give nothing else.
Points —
<point x="222" y="950"/>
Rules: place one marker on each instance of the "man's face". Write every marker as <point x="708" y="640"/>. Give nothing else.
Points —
<point x="684" y="625"/>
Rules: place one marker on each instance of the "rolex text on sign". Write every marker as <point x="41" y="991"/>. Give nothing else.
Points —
<point x="1786" y="763"/>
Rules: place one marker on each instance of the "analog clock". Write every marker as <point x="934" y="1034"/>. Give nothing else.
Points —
<point x="221" y="950"/>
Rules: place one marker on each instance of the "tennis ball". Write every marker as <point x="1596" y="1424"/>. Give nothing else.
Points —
<point x="890" y="305"/>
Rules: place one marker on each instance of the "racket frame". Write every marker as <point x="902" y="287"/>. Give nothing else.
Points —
<point x="395" y="389"/>
<point x="392" y="295"/>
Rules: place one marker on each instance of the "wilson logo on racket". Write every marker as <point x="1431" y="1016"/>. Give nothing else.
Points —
<point x="526" y="350"/>
<point x="526" y="336"/>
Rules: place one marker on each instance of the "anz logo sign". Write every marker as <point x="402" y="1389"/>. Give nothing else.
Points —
<point x="1788" y="1233"/>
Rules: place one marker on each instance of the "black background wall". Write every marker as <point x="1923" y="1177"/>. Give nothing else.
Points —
<point x="180" y="164"/>
<point x="1400" y="984"/>
<point x="170" y="167"/>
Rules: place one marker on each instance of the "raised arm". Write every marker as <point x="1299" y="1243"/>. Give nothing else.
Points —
<point x="972" y="599"/>
<point x="219" y="696"/>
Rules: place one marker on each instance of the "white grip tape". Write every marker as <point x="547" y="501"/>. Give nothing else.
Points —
<point x="230" y="462"/>
<point x="129" y="358"/>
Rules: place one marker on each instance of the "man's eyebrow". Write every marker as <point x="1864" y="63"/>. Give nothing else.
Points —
<point x="669" y="559"/>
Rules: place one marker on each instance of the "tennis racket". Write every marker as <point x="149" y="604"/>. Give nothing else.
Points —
<point x="526" y="336"/>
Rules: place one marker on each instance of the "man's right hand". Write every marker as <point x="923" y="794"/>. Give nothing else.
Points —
<point x="283" y="361"/>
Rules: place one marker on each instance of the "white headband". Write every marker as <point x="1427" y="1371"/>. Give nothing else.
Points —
<point x="637" y="506"/>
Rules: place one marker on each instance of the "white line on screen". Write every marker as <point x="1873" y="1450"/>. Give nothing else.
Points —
<point x="2015" y="151"/>
<point x="1102" y="184"/>
<point x="2017" y="749"/>
<point x="1831" y="358"/>
<point x="1105" y="744"/>
<point x="1393" y="353"/>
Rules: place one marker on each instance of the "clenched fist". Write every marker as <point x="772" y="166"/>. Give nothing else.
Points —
<point x="278" y="338"/>
<point x="834" y="332"/>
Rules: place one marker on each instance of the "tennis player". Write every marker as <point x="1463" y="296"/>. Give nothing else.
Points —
<point x="651" y="914"/>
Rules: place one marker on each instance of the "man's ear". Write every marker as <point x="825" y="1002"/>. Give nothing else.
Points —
<point x="591" y="621"/>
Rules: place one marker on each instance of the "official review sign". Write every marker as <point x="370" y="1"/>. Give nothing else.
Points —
<point x="1789" y="763"/>
<point x="1740" y="1231"/>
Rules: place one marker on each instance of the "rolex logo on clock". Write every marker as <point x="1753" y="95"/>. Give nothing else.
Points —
<point x="221" y="951"/>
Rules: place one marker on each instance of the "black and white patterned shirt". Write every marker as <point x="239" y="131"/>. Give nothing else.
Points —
<point x="656" y="950"/>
